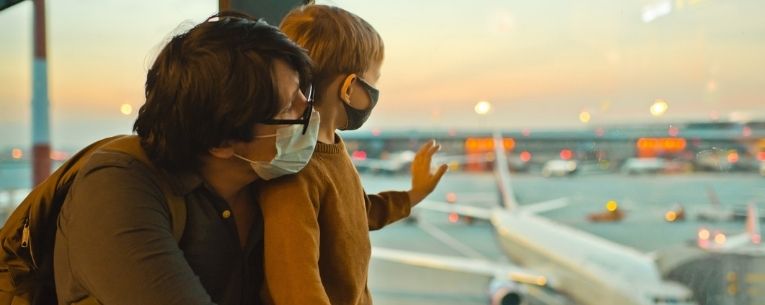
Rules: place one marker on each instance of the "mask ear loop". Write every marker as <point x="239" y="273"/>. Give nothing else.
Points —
<point x="345" y="94"/>
<point x="265" y="136"/>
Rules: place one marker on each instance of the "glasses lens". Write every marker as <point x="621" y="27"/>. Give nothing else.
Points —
<point x="305" y="117"/>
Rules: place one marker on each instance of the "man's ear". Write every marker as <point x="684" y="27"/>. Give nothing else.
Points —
<point x="346" y="89"/>
<point x="225" y="151"/>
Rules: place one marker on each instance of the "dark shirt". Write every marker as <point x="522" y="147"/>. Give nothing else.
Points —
<point x="115" y="242"/>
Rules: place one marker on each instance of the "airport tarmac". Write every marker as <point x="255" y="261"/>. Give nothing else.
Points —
<point x="645" y="199"/>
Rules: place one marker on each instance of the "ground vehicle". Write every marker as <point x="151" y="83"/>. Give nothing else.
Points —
<point x="643" y="166"/>
<point x="559" y="168"/>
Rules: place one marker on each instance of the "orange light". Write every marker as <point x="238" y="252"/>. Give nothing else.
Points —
<point x="509" y="144"/>
<point x="454" y="217"/>
<point x="16" y="153"/>
<point x="732" y="156"/>
<point x="704" y="234"/>
<point x="525" y="156"/>
<point x="673" y="131"/>
<point x="650" y="147"/>
<point x="720" y="238"/>
<point x="761" y="156"/>
<point x="376" y="132"/>
<point x="58" y="155"/>
<point x="670" y="216"/>
<point x="487" y="144"/>
<point x="746" y="132"/>
<point x="566" y="154"/>
<point x="359" y="155"/>
<point x="451" y="197"/>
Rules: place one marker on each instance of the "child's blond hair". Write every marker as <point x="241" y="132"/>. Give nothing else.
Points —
<point x="338" y="41"/>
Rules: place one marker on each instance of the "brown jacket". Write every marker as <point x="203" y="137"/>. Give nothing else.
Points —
<point x="316" y="231"/>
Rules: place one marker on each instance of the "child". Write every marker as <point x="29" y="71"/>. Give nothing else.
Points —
<point x="317" y="222"/>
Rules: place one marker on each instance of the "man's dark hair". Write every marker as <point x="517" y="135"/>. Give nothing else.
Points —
<point x="211" y="85"/>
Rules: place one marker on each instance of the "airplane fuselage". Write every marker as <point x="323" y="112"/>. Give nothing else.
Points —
<point x="589" y="269"/>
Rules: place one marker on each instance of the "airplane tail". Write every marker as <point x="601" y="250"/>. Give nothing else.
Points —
<point x="712" y="195"/>
<point x="502" y="174"/>
<point x="753" y="224"/>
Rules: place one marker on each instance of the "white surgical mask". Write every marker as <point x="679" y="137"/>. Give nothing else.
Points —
<point x="293" y="150"/>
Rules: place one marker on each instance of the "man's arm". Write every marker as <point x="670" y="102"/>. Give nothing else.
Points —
<point x="120" y="243"/>
<point x="290" y="208"/>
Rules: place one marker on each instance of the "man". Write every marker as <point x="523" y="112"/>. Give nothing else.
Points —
<point x="220" y="99"/>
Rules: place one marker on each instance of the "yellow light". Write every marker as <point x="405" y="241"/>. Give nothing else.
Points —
<point x="720" y="238"/>
<point x="482" y="107"/>
<point x="704" y="234"/>
<point x="454" y="166"/>
<point x="670" y="216"/>
<point x="126" y="109"/>
<point x="659" y="107"/>
<point x="541" y="281"/>
<point x="528" y="279"/>
<point x="584" y="117"/>
<point x="16" y="153"/>
<point x="611" y="205"/>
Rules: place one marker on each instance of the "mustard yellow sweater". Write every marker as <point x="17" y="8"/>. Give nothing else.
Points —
<point x="316" y="232"/>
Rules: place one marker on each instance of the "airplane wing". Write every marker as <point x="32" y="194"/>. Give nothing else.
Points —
<point x="461" y="264"/>
<point x="465" y="210"/>
<point x="544" y="206"/>
<point x="484" y="213"/>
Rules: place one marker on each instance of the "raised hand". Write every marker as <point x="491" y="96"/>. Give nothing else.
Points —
<point x="423" y="180"/>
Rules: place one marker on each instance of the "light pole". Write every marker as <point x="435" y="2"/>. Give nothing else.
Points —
<point x="40" y="102"/>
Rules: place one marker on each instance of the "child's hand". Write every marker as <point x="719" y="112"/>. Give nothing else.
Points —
<point x="423" y="181"/>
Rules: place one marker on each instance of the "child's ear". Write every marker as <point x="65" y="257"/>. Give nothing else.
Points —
<point x="346" y="89"/>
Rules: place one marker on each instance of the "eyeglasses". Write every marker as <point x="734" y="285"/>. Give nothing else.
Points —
<point x="304" y="119"/>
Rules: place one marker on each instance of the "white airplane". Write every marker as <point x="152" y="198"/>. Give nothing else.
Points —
<point x="715" y="241"/>
<point x="717" y="213"/>
<point x="394" y="163"/>
<point x="585" y="268"/>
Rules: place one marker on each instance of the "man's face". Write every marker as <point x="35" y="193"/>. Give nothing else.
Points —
<point x="292" y="106"/>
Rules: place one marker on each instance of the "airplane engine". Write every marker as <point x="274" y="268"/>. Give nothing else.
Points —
<point x="506" y="293"/>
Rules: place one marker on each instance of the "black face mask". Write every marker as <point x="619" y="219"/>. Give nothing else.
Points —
<point x="357" y="117"/>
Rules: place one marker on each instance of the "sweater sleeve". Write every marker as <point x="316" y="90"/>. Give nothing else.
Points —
<point x="290" y="208"/>
<point x="386" y="207"/>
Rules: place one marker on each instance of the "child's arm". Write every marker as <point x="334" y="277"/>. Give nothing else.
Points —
<point x="290" y="208"/>
<point x="387" y="207"/>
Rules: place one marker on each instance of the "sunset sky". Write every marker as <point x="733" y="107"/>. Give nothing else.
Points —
<point x="539" y="63"/>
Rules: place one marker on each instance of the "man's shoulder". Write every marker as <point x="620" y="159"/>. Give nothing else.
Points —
<point x="110" y="159"/>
